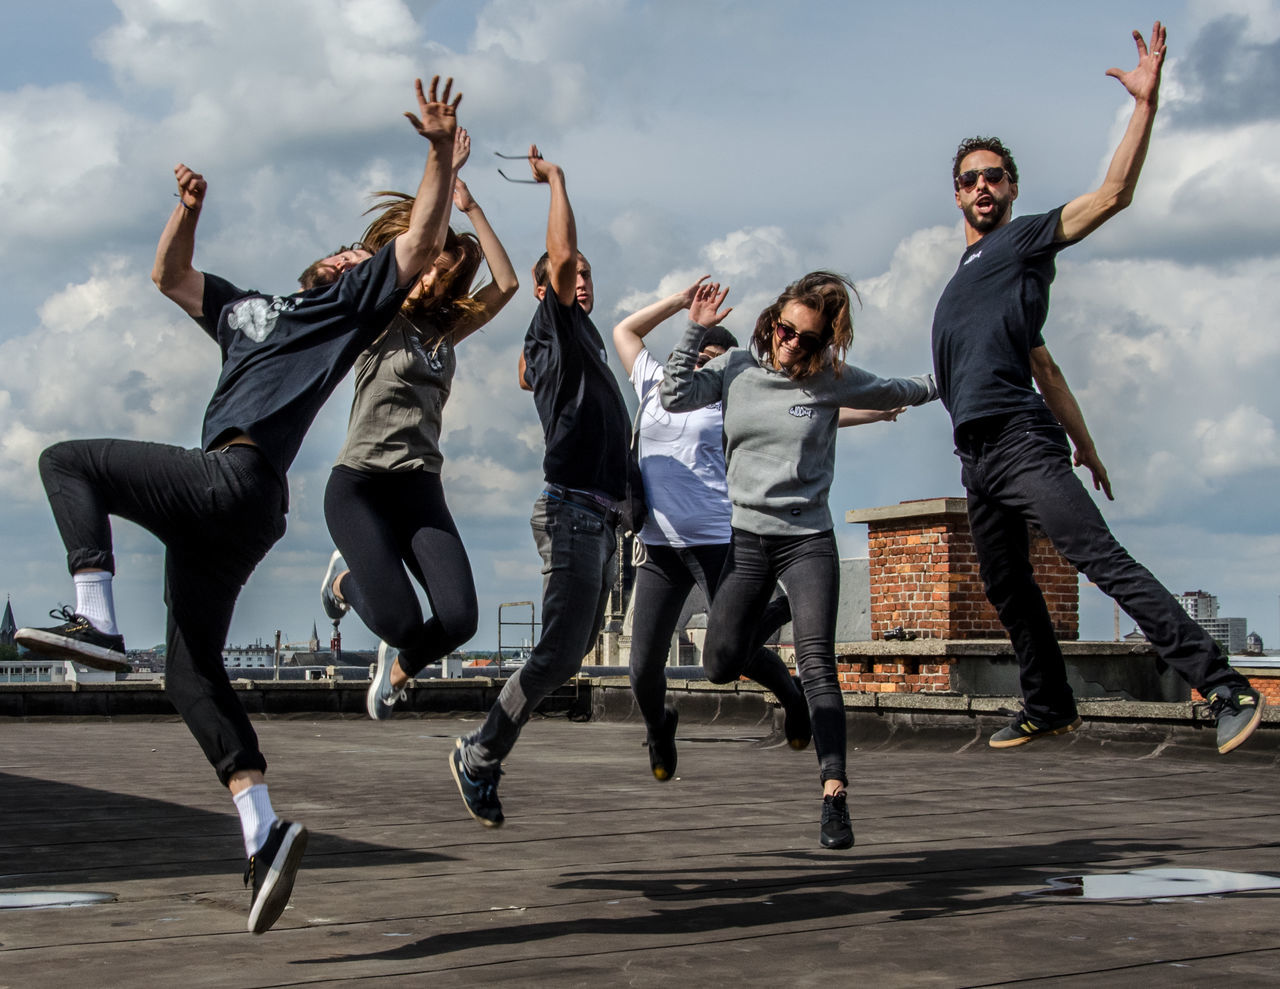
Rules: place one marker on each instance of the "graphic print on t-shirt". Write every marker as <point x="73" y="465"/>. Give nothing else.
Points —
<point x="255" y="317"/>
<point x="433" y="358"/>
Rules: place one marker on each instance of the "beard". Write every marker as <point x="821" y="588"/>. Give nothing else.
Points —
<point x="986" y="222"/>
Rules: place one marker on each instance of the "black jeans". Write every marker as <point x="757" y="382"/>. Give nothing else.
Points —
<point x="808" y="569"/>
<point x="1017" y="469"/>
<point x="217" y="515"/>
<point x="384" y="522"/>
<point x="663" y="582"/>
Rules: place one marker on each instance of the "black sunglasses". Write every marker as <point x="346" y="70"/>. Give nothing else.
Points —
<point x="994" y="176"/>
<point x="807" y="342"/>
<point x="508" y="177"/>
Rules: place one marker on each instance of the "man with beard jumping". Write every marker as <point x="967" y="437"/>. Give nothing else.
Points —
<point x="1016" y="464"/>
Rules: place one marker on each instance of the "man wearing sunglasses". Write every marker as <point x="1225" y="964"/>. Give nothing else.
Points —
<point x="220" y="508"/>
<point x="587" y="432"/>
<point x="1016" y="465"/>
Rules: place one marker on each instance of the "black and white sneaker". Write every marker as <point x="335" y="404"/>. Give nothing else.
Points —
<point x="479" y="795"/>
<point x="837" y="829"/>
<point x="381" y="699"/>
<point x="271" y="872"/>
<point x="76" y="639"/>
<point x="334" y="608"/>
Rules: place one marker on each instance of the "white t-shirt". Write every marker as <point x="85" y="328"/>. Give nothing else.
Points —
<point x="682" y="462"/>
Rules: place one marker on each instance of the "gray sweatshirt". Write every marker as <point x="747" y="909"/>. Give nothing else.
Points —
<point x="779" y="434"/>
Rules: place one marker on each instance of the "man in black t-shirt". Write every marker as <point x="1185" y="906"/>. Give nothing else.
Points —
<point x="219" y="509"/>
<point x="587" y="432"/>
<point x="988" y="353"/>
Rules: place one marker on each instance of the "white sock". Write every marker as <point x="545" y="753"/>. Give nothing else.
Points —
<point x="94" y="600"/>
<point x="256" y="816"/>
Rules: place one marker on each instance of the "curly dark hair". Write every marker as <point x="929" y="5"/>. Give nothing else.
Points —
<point x="993" y="144"/>
<point x="825" y="293"/>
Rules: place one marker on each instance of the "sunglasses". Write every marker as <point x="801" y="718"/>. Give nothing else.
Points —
<point x="806" y="342"/>
<point x="994" y="175"/>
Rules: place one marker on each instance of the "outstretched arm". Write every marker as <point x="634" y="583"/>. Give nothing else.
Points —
<point x="420" y="245"/>
<point x="1085" y="214"/>
<point x="173" y="272"/>
<point x="498" y="292"/>
<point x="628" y="335"/>
<point x="1057" y="395"/>
<point x="562" y="230"/>
<point x="861" y="417"/>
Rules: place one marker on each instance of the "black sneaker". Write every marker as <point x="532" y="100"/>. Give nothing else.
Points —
<point x="334" y="608"/>
<point x="662" y="749"/>
<point x="479" y="796"/>
<point x="76" y="639"/>
<point x="1237" y="713"/>
<point x="837" y="829"/>
<point x="271" y="871"/>
<point x="796" y="725"/>
<point x="1024" y="730"/>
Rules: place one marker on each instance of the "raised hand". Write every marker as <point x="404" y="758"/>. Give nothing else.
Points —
<point x="462" y="197"/>
<point x="191" y="186"/>
<point x="461" y="148"/>
<point x="541" y="168"/>
<point x="437" y="118"/>
<point x="687" y="296"/>
<point x="706" y="301"/>
<point x="1143" y="81"/>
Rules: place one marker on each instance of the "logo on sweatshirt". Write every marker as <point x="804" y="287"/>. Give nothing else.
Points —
<point x="801" y="411"/>
<point x="973" y="257"/>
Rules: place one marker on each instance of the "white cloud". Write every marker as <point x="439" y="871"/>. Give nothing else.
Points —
<point x="1241" y="441"/>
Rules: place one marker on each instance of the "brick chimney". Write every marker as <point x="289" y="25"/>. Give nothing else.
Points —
<point x="924" y="574"/>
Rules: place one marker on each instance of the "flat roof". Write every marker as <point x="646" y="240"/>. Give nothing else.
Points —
<point x="603" y="876"/>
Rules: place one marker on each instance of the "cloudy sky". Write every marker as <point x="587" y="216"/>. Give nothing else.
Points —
<point x="753" y="140"/>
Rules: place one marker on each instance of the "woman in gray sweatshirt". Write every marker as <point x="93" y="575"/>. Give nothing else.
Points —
<point x="781" y="404"/>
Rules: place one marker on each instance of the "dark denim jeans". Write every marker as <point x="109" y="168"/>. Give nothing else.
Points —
<point x="1017" y="470"/>
<point x="578" y="546"/>
<point x="663" y="582"/>
<point x="217" y="515"/>
<point x="808" y="568"/>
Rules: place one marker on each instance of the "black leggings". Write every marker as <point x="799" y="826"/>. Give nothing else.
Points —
<point x="663" y="582"/>
<point x="808" y="568"/>
<point x="384" y="522"/>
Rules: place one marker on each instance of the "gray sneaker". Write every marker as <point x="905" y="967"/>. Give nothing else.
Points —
<point x="1237" y="712"/>
<point x="1024" y="730"/>
<point x="381" y="697"/>
<point x="334" y="608"/>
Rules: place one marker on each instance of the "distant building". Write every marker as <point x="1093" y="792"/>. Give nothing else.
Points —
<point x="1200" y="605"/>
<point x="255" y="656"/>
<point x="1253" y="644"/>
<point x="7" y="625"/>
<point x="1203" y="609"/>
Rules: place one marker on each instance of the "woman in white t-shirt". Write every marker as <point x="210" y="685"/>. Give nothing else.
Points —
<point x="686" y="537"/>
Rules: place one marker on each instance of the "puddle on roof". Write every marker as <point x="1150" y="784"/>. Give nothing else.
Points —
<point x="1147" y="884"/>
<point x="37" y="899"/>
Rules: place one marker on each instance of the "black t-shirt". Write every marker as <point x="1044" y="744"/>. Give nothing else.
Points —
<point x="282" y="356"/>
<point x="584" y="419"/>
<point x="989" y="319"/>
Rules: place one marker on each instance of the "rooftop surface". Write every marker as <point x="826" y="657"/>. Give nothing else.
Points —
<point x="602" y="876"/>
